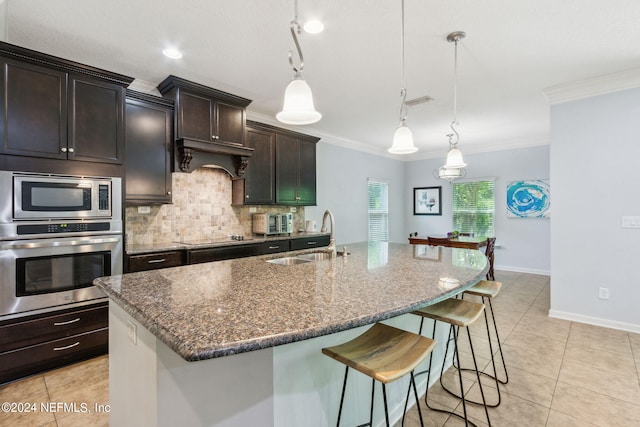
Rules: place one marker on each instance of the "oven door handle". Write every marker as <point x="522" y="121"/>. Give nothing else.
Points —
<point x="49" y="244"/>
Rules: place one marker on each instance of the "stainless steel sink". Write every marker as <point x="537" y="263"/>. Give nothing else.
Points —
<point x="288" y="260"/>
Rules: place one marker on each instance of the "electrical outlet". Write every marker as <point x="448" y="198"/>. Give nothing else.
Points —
<point x="144" y="209"/>
<point x="603" y="293"/>
<point x="253" y="209"/>
<point x="293" y="209"/>
<point x="132" y="332"/>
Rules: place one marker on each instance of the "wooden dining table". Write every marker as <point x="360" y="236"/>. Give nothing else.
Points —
<point x="464" y="242"/>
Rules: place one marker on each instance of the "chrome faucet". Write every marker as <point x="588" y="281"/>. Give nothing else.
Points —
<point x="323" y="229"/>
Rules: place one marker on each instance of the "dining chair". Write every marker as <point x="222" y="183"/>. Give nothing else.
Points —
<point x="491" y="244"/>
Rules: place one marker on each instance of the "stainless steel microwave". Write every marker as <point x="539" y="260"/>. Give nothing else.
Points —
<point x="266" y="223"/>
<point x="46" y="196"/>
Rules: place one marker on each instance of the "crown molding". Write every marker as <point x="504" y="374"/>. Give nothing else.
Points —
<point x="145" y="87"/>
<point x="601" y="85"/>
<point x="325" y="137"/>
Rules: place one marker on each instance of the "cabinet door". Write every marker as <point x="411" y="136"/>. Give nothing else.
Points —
<point x="307" y="173"/>
<point x="195" y="117"/>
<point x="260" y="175"/>
<point x="229" y="123"/>
<point x="33" y="110"/>
<point x="286" y="169"/>
<point x="96" y="113"/>
<point x="148" y="148"/>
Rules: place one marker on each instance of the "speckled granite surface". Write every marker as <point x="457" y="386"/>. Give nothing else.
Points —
<point x="221" y="308"/>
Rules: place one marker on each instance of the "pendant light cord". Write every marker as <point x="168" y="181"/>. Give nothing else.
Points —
<point x="454" y="123"/>
<point x="295" y="30"/>
<point x="403" y="90"/>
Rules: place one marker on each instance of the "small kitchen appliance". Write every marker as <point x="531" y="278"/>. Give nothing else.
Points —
<point x="267" y="223"/>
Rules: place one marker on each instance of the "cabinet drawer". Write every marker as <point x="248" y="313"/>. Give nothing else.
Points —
<point x="52" y="354"/>
<point x="156" y="260"/>
<point x="35" y="330"/>
<point x="274" y="246"/>
<point x="197" y="256"/>
<point x="309" y="242"/>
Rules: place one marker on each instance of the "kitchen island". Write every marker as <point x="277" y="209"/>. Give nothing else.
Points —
<point x="238" y="342"/>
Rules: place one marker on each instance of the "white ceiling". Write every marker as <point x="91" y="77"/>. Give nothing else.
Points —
<point x="514" y="49"/>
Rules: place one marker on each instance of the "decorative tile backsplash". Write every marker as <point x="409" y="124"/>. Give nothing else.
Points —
<point x="201" y="210"/>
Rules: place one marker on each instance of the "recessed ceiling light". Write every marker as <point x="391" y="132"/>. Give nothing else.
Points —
<point x="172" y="53"/>
<point x="313" y="26"/>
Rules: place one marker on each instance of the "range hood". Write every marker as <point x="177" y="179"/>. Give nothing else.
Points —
<point x="194" y="153"/>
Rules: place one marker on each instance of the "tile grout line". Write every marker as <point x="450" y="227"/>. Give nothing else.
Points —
<point x="553" y="395"/>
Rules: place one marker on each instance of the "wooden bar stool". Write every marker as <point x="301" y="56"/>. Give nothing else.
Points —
<point x="487" y="290"/>
<point x="457" y="313"/>
<point x="385" y="354"/>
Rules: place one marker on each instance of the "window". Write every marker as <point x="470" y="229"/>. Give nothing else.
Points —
<point x="474" y="207"/>
<point x="378" y="211"/>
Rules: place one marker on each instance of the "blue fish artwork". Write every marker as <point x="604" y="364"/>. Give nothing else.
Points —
<point x="528" y="199"/>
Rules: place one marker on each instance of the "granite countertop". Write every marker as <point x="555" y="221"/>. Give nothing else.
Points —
<point x="221" y="308"/>
<point x="134" y="249"/>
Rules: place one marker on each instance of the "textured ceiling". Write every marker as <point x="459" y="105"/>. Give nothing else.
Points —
<point x="513" y="50"/>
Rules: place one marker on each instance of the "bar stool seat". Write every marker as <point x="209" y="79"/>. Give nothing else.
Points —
<point x="385" y="354"/>
<point x="485" y="288"/>
<point x="457" y="313"/>
<point x="453" y="311"/>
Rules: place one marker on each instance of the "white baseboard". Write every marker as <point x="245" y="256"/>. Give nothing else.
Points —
<point x="597" y="321"/>
<point x="522" y="270"/>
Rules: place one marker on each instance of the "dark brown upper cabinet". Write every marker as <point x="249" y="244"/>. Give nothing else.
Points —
<point x="282" y="170"/>
<point x="209" y="126"/>
<point x="148" y="122"/>
<point x="34" y="108"/>
<point x="204" y="113"/>
<point x="295" y="170"/>
<point x="58" y="109"/>
<point x="96" y="121"/>
<point x="258" y="186"/>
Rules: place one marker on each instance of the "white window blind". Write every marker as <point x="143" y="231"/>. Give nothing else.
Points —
<point x="378" y="211"/>
<point x="474" y="207"/>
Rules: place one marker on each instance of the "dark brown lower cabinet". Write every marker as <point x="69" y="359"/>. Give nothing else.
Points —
<point x="37" y="343"/>
<point x="309" y="242"/>
<point x="197" y="256"/>
<point x="155" y="260"/>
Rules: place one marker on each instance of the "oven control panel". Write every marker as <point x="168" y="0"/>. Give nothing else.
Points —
<point x="62" y="227"/>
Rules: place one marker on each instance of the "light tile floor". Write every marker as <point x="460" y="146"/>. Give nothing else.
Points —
<point x="561" y="373"/>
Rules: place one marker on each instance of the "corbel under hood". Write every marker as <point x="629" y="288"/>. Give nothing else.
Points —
<point x="193" y="153"/>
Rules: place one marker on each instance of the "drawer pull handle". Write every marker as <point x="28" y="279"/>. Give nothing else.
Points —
<point x="274" y="247"/>
<point x="155" y="261"/>
<point x="66" y="347"/>
<point x="68" y="322"/>
<point x="311" y="243"/>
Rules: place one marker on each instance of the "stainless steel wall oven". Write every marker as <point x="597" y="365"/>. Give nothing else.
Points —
<point x="57" y="234"/>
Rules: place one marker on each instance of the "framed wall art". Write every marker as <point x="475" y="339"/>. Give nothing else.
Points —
<point x="427" y="201"/>
<point x="528" y="199"/>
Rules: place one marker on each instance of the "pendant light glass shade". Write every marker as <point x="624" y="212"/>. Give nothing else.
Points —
<point x="298" y="106"/>
<point x="450" y="174"/>
<point x="402" y="137"/>
<point x="402" y="141"/>
<point x="454" y="159"/>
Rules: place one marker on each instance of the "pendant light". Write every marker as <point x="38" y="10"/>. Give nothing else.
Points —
<point x="403" y="137"/>
<point x="298" y="108"/>
<point x="454" y="166"/>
